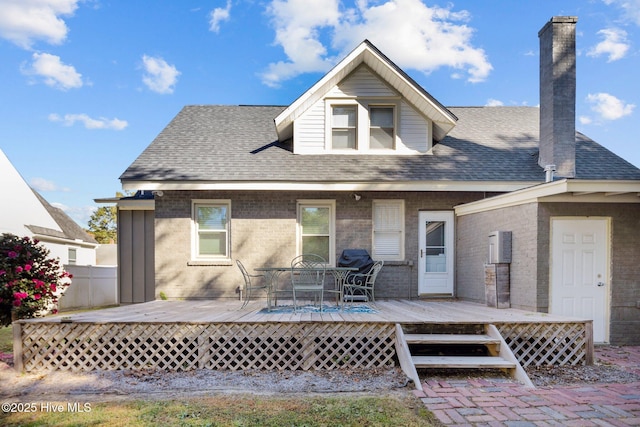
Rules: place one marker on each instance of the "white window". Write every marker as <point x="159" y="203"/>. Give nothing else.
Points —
<point x="388" y="230"/>
<point x="73" y="256"/>
<point x="381" y="127"/>
<point x="211" y="229"/>
<point x="316" y="228"/>
<point x="343" y="127"/>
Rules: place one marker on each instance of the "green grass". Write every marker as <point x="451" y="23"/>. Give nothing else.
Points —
<point x="6" y="339"/>
<point x="236" y="411"/>
<point x="239" y="411"/>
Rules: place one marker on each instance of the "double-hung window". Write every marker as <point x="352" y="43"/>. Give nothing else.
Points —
<point x="388" y="230"/>
<point x="343" y="127"/>
<point x="316" y="228"/>
<point x="381" y="127"/>
<point x="73" y="256"/>
<point x="211" y="229"/>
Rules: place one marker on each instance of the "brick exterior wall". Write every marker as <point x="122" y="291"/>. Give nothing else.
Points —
<point x="625" y="262"/>
<point x="531" y="227"/>
<point x="472" y="252"/>
<point x="558" y="95"/>
<point x="263" y="233"/>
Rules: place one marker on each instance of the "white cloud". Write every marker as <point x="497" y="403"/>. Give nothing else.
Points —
<point x="41" y="184"/>
<point x="585" y="120"/>
<point x="159" y="76"/>
<point x="89" y="123"/>
<point x="54" y="72"/>
<point x="615" y="44"/>
<point x="25" y="21"/>
<point x="630" y="9"/>
<point x="494" y="103"/>
<point x="412" y="34"/>
<point x="218" y="15"/>
<point x="608" y="107"/>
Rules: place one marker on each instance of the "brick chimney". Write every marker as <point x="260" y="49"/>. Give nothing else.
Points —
<point x="558" y="96"/>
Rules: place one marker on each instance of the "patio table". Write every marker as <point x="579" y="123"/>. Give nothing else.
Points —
<point x="272" y="276"/>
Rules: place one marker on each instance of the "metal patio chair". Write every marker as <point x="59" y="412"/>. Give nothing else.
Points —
<point x="250" y="286"/>
<point x="362" y="285"/>
<point x="307" y="275"/>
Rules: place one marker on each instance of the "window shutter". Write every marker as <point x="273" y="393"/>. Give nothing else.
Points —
<point x="388" y="230"/>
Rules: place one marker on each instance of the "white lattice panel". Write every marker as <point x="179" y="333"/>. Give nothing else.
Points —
<point x="185" y="346"/>
<point x="541" y="344"/>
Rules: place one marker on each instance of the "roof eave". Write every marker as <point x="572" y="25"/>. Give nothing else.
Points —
<point x="565" y="190"/>
<point x="325" y="186"/>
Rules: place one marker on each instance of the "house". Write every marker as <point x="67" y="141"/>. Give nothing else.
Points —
<point x="366" y="158"/>
<point x="26" y="213"/>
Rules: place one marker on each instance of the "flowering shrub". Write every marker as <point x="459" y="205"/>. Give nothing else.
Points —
<point x="30" y="281"/>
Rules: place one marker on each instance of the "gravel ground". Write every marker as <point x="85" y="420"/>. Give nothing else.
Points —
<point x="151" y="384"/>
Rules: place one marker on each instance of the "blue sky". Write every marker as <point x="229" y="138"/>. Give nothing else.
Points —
<point x="86" y="85"/>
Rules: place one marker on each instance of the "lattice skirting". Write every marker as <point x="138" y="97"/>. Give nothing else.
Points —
<point x="186" y="346"/>
<point x="542" y="344"/>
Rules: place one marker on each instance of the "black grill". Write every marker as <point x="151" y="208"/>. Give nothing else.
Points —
<point x="356" y="258"/>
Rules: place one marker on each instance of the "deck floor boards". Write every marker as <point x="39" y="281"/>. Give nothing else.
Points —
<point x="386" y="311"/>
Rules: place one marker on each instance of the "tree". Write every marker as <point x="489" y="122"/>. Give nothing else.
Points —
<point x="30" y="281"/>
<point x="103" y="224"/>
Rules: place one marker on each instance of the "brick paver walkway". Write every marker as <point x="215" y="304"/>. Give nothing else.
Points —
<point x="497" y="402"/>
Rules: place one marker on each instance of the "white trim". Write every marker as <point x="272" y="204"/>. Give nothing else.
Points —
<point x="64" y="241"/>
<point x="332" y="225"/>
<point x="136" y="205"/>
<point x="566" y="190"/>
<point x="479" y="186"/>
<point x="194" y="231"/>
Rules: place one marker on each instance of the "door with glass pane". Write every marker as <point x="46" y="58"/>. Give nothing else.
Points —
<point x="435" y="253"/>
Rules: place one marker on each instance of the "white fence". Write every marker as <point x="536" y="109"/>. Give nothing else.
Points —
<point x="91" y="286"/>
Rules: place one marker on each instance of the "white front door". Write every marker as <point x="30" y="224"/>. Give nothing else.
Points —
<point x="579" y="271"/>
<point x="435" y="257"/>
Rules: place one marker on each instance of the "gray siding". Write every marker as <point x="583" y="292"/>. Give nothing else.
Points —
<point x="136" y="248"/>
<point x="413" y="133"/>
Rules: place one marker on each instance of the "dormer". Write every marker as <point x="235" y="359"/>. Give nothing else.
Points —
<point x="365" y="105"/>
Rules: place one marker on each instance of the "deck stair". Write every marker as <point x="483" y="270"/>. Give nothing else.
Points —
<point x="478" y="347"/>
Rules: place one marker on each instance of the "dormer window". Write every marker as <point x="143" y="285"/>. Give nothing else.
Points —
<point x="343" y="127"/>
<point x="381" y="127"/>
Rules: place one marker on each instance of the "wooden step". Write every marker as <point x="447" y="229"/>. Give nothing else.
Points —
<point x="461" y="362"/>
<point x="450" y="339"/>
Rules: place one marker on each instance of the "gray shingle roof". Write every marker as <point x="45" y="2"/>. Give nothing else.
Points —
<point x="239" y="143"/>
<point x="70" y="229"/>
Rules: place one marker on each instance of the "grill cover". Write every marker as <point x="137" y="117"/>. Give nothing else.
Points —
<point x="356" y="258"/>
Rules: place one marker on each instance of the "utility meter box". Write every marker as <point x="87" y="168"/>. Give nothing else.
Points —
<point x="500" y="247"/>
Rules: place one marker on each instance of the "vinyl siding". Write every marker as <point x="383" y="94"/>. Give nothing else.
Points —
<point x="413" y="132"/>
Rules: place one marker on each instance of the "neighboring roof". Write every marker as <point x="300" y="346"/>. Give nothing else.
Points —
<point x="366" y="53"/>
<point x="70" y="229"/>
<point x="236" y="147"/>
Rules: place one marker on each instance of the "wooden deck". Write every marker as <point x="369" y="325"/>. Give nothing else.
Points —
<point x="387" y="311"/>
<point x="212" y="334"/>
